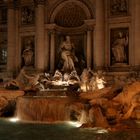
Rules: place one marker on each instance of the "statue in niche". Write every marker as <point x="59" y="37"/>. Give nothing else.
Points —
<point x="28" y="53"/>
<point x="27" y="15"/>
<point x="119" y="47"/>
<point x="68" y="55"/>
<point x="119" y="7"/>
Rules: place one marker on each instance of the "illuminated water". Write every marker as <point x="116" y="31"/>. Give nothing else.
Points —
<point x="59" y="131"/>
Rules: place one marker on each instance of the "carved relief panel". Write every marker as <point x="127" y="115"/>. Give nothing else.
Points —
<point x="118" y="8"/>
<point x="28" y="51"/>
<point x="119" y="46"/>
<point x="27" y="15"/>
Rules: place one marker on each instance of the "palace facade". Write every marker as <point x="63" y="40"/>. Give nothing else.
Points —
<point x="106" y="34"/>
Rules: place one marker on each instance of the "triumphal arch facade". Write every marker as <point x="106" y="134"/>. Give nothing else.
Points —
<point x="105" y="34"/>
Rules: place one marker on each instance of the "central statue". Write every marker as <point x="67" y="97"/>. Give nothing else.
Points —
<point x="68" y="55"/>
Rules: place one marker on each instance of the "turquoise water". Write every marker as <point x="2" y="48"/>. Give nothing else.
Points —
<point x="59" y="131"/>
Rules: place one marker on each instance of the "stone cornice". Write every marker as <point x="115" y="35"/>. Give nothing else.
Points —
<point x="120" y="20"/>
<point x="90" y="24"/>
<point x="76" y="30"/>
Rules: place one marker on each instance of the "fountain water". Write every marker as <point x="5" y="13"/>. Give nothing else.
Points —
<point x="47" y="109"/>
<point x="54" y="103"/>
<point x="58" y="100"/>
<point x="50" y="108"/>
<point x="96" y="106"/>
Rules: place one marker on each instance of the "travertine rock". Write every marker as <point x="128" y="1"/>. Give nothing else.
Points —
<point x="8" y="101"/>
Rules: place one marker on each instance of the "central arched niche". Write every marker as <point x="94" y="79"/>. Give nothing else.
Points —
<point x="67" y="6"/>
<point x="69" y="17"/>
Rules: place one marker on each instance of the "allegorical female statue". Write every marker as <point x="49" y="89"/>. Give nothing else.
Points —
<point x="68" y="55"/>
<point x="119" y="47"/>
<point x="28" y="54"/>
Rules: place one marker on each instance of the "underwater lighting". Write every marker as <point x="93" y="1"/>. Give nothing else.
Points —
<point x="97" y="130"/>
<point x="14" y="119"/>
<point x="101" y="131"/>
<point x="137" y="121"/>
<point x="75" y="124"/>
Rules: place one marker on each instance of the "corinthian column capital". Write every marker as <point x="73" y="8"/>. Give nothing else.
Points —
<point x="39" y="2"/>
<point x="10" y="4"/>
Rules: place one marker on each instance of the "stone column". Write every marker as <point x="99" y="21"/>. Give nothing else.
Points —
<point x="40" y="36"/>
<point x="18" y="56"/>
<point x="11" y="56"/>
<point x="137" y="33"/>
<point x="89" y="49"/>
<point x="52" y="51"/>
<point x="85" y="45"/>
<point x="100" y="35"/>
<point x="47" y="50"/>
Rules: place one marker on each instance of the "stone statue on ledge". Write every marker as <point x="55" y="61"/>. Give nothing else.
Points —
<point x="68" y="55"/>
<point x="28" y="53"/>
<point x="25" y="81"/>
<point x="119" y="47"/>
